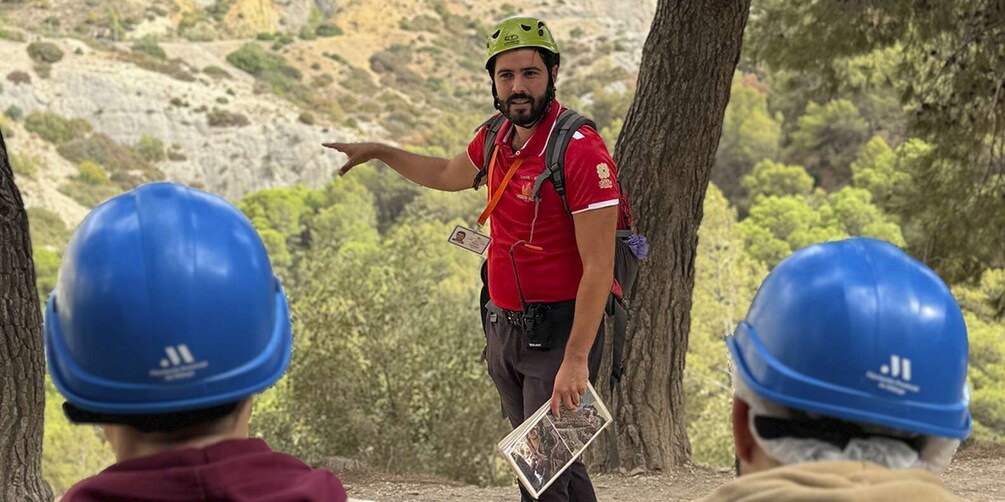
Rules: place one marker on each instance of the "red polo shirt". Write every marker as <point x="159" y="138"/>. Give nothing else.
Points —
<point x="234" y="470"/>
<point x="553" y="274"/>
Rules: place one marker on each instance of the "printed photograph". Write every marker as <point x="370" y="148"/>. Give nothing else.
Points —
<point x="578" y="427"/>
<point x="541" y="454"/>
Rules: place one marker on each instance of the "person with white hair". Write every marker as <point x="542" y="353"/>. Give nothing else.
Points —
<point x="850" y="379"/>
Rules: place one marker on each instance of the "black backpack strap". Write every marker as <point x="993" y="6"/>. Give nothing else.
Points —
<point x="492" y="127"/>
<point x="566" y="125"/>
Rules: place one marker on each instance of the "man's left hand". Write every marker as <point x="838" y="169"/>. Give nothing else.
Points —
<point x="570" y="384"/>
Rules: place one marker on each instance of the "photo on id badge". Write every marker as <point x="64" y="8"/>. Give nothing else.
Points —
<point x="469" y="239"/>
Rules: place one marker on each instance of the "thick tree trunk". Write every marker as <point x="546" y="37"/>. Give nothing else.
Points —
<point x="22" y="359"/>
<point x="666" y="151"/>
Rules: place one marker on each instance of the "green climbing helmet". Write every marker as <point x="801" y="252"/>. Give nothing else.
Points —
<point x="516" y="33"/>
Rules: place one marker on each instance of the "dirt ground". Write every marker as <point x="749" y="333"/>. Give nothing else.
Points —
<point x="977" y="474"/>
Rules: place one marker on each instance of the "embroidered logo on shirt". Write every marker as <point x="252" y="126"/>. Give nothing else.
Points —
<point x="604" y="173"/>
<point x="526" y="191"/>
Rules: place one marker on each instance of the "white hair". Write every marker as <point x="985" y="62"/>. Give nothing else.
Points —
<point x="884" y="449"/>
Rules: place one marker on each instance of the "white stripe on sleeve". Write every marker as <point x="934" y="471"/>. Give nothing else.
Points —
<point x="598" y="205"/>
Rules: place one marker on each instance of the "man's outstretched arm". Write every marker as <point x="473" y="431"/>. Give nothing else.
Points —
<point x="433" y="172"/>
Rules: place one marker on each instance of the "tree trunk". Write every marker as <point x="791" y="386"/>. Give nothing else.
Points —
<point x="666" y="150"/>
<point x="22" y="359"/>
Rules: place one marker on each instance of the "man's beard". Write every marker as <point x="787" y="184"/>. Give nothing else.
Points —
<point x="528" y="116"/>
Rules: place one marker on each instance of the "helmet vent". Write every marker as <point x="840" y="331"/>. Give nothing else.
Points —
<point x="495" y="35"/>
<point x="525" y="27"/>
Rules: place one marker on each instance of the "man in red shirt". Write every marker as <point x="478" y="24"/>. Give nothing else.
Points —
<point x="165" y="321"/>
<point x="549" y="272"/>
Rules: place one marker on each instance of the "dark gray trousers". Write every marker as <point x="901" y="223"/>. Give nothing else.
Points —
<point x="525" y="378"/>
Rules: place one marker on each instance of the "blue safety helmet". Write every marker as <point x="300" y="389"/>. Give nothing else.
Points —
<point x="860" y="331"/>
<point x="166" y="301"/>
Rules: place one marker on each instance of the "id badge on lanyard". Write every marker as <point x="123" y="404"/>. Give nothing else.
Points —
<point x="474" y="240"/>
<point x="469" y="239"/>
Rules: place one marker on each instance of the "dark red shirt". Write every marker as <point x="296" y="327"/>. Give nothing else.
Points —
<point x="591" y="180"/>
<point x="234" y="470"/>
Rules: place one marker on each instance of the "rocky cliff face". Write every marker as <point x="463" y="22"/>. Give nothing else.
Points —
<point x="126" y="102"/>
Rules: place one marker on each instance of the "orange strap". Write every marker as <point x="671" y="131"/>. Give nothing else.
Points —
<point x="494" y="199"/>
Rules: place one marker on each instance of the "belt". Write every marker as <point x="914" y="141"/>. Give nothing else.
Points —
<point x="515" y="317"/>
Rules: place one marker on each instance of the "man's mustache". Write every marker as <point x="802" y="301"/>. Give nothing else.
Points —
<point x="511" y="99"/>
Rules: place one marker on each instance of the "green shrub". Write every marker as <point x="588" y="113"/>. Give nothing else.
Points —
<point x="272" y="73"/>
<point x="394" y="58"/>
<point x="307" y="34"/>
<point x="5" y="128"/>
<point x="149" y="47"/>
<point x="218" y="10"/>
<point x="223" y="118"/>
<point x="201" y="32"/>
<point x="253" y="59"/>
<point x="91" y="173"/>
<point x="307" y="118"/>
<point x="402" y="77"/>
<point x="19" y="77"/>
<point x="266" y="37"/>
<point x="359" y="81"/>
<point x="290" y="72"/>
<point x="46" y="269"/>
<point x="47" y="228"/>
<point x="24" y="165"/>
<point x="125" y="168"/>
<point x="54" y="128"/>
<point x="14" y="113"/>
<point x="172" y="68"/>
<point x="369" y="108"/>
<point x="175" y="153"/>
<point x="399" y="123"/>
<point x="86" y="194"/>
<point x="191" y="18"/>
<point x="328" y="30"/>
<point x="216" y="73"/>
<point x="150" y="148"/>
<point x="322" y="81"/>
<point x="51" y="23"/>
<point x="426" y="23"/>
<point x="45" y="52"/>
<point x="282" y="40"/>
<point x="43" y="70"/>
<point x="12" y="35"/>
<point x="337" y="58"/>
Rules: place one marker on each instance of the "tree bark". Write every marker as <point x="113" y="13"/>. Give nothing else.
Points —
<point x="22" y="357"/>
<point x="666" y="150"/>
